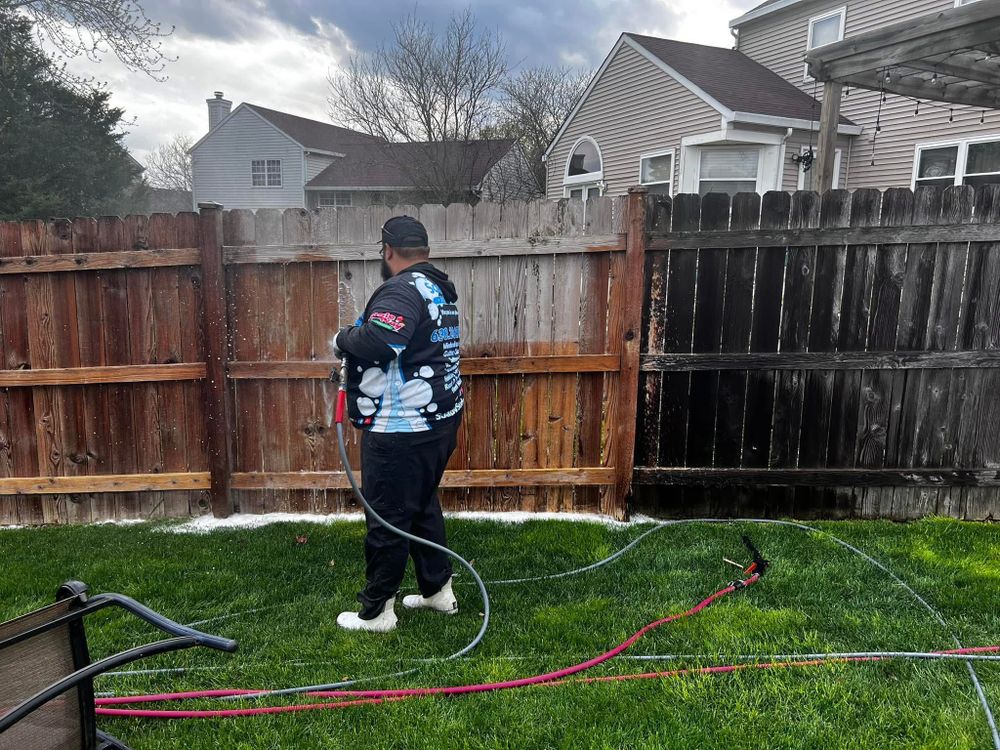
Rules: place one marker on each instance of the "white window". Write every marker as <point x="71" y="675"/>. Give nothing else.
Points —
<point x="807" y="180"/>
<point x="656" y="172"/>
<point x="335" y="198"/>
<point x="825" y="29"/>
<point x="265" y="172"/>
<point x="728" y="170"/>
<point x="583" y="191"/>
<point x="972" y="162"/>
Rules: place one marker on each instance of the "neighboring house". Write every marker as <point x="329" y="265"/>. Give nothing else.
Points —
<point x="681" y="117"/>
<point x="254" y="157"/>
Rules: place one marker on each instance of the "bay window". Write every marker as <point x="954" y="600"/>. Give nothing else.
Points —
<point x="728" y="170"/>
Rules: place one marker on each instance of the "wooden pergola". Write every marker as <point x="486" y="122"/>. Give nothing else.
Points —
<point x="952" y="56"/>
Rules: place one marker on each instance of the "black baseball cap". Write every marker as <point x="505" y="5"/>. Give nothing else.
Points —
<point x="403" y="231"/>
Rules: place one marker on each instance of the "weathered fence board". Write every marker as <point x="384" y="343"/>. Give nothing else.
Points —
<point x="113" y="358"/>
<point x="869" y="373"/>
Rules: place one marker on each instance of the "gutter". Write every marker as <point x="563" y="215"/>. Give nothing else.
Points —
<point x="761" y="12"/>
<point x="751" y="118"/>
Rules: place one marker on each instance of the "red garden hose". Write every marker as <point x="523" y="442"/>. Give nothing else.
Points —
<point x="379" y="696"/>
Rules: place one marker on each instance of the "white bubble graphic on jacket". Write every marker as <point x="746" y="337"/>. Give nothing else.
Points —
<point x="432" y="295"/>
<point x="416" y="394"/>
<point x="373" y="382"/>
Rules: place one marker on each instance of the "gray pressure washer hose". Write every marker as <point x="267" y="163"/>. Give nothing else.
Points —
<point x="980" y="693"/>
<point x="341" y="409"/>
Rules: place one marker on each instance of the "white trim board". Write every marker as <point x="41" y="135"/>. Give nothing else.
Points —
<point x="751" y="118"/>
<point x="761" y="12"/>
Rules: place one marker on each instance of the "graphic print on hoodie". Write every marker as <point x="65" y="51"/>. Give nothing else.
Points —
<point x="404" y="354"/>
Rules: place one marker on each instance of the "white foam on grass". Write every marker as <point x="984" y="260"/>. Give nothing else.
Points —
<point x="208" y="524"/>
<point x="106" y="522"/>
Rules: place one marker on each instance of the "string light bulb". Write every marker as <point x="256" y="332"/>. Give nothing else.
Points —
<point x="982" y="117"/>
<point x="951" y="115"/>
<point x="917" y="110"/>
<point x="934" y="80"/>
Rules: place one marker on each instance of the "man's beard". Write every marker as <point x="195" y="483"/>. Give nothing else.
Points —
<point x="386" y="271"/>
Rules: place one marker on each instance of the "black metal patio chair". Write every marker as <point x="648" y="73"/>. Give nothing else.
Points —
<point x="46" y="676"/>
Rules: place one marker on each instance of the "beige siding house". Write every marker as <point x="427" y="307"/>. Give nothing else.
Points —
<point x="689" y="118"/>
<point x="673" y="117"/>
<point x="778" y="34"/>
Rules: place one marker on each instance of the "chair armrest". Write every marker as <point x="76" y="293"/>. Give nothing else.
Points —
<point x="165" y="623"/>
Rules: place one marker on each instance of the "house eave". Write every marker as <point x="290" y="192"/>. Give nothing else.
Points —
<point x="752" y="118"/>
<point x="320" y="152"/>
<point x="382" y="188"/>
<point x="761" y="12"/>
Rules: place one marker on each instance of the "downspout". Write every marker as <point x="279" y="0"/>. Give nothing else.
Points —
<point x="781" y="158"/>
<point x="847" y="170"/>
<point x="736" y="36"/>
<point x="305" y="195"/>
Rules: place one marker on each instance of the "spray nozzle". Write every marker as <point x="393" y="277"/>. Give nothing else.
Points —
<point x="759" y="565"/>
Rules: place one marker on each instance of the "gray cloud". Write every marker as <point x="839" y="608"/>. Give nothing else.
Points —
<point x="278" y="53"/>
<point x="536" y="33"/>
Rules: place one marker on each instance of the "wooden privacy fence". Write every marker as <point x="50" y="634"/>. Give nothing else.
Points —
<point x="166" y="364"/>
<point x="822" y="357"/>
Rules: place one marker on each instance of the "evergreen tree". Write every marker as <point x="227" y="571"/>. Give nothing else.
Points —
<point x="61" y="151"/>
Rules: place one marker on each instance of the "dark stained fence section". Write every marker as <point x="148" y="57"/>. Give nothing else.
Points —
<point x="833" y="356"/>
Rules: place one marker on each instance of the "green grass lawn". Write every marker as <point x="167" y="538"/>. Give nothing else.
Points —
<point x="817" y="597"/>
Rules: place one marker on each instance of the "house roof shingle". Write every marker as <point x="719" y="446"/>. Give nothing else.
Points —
<point x="396" y="165"/>
<point x="312" y="134"/>
<point x="733" y="79"/>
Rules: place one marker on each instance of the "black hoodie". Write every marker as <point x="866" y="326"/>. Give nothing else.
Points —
<point x="404" y="365"/>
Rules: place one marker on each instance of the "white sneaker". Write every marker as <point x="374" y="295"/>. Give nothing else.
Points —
<point x="385" y="622"/>
<point x="443" y="601"/>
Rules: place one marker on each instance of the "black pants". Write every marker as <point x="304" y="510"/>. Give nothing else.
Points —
<point x="400" y="473"/>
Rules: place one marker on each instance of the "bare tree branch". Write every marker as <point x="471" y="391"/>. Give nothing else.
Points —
<point x="437" y="92"/>
<point x="90" y="29"/>
<point x="536" y="102"/>
<point x="169" y="166"/>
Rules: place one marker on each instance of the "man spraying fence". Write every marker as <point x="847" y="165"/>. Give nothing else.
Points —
<point x="404" y="391"/>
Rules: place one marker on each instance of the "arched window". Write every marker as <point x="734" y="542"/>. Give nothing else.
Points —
<point x="584" y="170"/>
<point x="584" y="161"/>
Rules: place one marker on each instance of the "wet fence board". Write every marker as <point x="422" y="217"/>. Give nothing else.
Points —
<point x="865" y="384"/>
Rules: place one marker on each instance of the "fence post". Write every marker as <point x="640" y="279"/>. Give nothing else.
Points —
<point x="216" y="327"/>
<point x="623" y="453"/>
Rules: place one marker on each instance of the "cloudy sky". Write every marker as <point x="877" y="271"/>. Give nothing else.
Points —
<point x="278" y="53"/>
